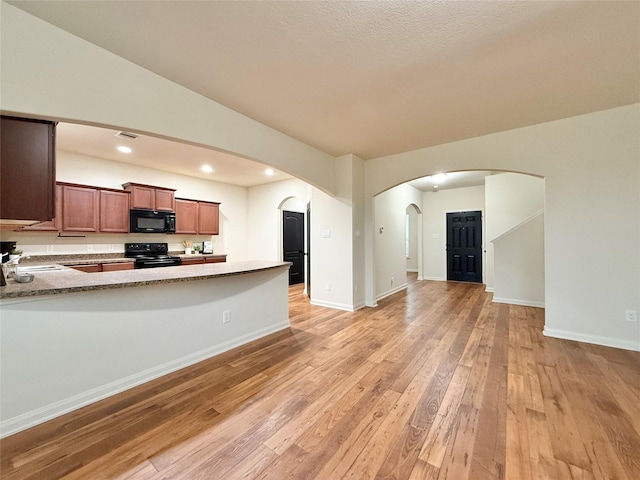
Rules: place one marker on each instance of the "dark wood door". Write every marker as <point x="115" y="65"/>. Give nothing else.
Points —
<point x="464" y="246"/>
<point x="293" y="244"/>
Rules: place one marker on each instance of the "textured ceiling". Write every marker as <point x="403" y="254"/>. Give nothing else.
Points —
<point x="376" y="78"/>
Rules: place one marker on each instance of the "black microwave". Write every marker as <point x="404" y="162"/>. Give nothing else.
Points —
<point x="149" y="221"/>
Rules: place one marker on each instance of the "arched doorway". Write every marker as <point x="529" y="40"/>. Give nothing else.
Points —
<point x="512" y="206"/>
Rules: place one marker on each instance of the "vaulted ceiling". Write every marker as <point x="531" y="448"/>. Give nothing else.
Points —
<point x="376" y="78"/>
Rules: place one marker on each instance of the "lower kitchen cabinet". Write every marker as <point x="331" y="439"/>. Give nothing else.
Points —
<point x="192" y="261"/>
<point x="90" y="268"/>
<point x="103" y="267"/>
<point x="113" y="267"/>
<point x="216" y="259"/>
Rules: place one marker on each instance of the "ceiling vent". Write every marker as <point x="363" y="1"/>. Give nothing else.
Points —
<point x="128" y="135"/>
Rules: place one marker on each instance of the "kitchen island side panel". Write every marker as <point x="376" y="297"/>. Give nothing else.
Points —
<point x="59" y="353"/>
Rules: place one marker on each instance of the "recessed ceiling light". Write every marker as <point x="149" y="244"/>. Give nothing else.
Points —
<point x="123" y="149"/>
<point x="206" y="168"/>
<point x="269" y="171"/>
<point x="439" y="178"/>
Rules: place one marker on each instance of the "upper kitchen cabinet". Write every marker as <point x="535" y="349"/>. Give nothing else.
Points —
<point x="114" y="211"/>
<point x="151" y="198"/>
<point x="80" y="208"/>
<point x="208" y="218"/>
<point x="186" y="216"/>
<point x="197" y="217"/>
<point x="27" y="169"/>
<point x="54" y="225"/>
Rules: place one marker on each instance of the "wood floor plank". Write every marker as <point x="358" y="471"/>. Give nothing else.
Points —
<point x="436" y="382"/>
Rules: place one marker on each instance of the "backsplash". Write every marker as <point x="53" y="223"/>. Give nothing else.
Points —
<point x="99" y="244"/>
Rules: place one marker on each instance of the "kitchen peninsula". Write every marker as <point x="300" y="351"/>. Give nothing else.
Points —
<point x="70" y="338"/>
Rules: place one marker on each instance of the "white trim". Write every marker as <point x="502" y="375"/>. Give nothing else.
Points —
<point x="47" y="412"/>
<point x="391" y="292"/>
<point x="516" y="301"/>
<point x="412" y="270"/>
<point x="436" y="279"/>
<point x="489" y="289"/>
<point x="594" y="339"/>
<point x="530" y="218"/>
<point x="337" y="306"/>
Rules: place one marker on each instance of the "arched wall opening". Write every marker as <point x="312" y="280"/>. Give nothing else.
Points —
<point x="512" y="207"/>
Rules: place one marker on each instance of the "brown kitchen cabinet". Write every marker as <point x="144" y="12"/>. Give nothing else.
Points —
<point x="186" y="216"/>
<point x="208" y="218"/>
<point x="80" y="208"/>
<point x="149" y="197"/>
<point x="54" y="225"/>
<point x="216" y="259"/>
<point x="192" y="261"/>
<point x="114" y="267"/>
<point x="89" y="268"/>
<point x="103" y="267"/>
<point x="27" y="169"/>
<point x="196" y="217"/>
<point x="114" y="211"/>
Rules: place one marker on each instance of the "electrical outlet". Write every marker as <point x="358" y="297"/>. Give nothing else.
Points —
<point x="328" y="287"/>
<point x="226" y="316"/>
<point x="356" y="287"/>
<point x="48" y="248"/>
<point x="631" y="315"/>
<point x="89" y="248"/>
<point x="393" y="279"/>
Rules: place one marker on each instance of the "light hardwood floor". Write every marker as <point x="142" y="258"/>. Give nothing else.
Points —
<point x="436" y="382"/>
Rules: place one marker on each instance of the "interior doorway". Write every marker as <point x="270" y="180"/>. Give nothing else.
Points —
<point x="293" y="244"/>
<point x="464" y="246"/>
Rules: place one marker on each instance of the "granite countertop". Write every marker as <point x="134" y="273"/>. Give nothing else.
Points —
<point x="68" y="280"/>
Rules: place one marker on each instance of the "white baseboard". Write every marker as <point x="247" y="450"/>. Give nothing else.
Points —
<point x="47" y="412"/>
<point x="337" y="306"/>
<point x="412" y="270"/>
<point x="595" y="339"/>
<point x="391" y="292"/>
<point x="436" y="279"/>
<point x="515" y="301"/>
<point x="488" y="289"/>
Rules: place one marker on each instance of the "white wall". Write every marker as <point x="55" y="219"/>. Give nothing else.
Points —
<point x="61" y="352"/>
<point x="510" y="198"/>
<point x="591" y="167"/>
<point x="390" y="260"/>
<point x="75" y="168"/>
<point x="337" y="253"/>
<point x="435" y="206"/>
<point x="519" y="264"/>
<point x="264" y="219"/>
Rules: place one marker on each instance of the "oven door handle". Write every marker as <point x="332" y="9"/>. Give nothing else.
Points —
<point x="157" y="262"/>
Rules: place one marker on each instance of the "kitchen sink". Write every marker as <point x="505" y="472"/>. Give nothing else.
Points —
<point x="40" y="268"/>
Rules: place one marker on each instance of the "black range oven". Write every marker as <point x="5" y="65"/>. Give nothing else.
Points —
<point x="150" y="255"/>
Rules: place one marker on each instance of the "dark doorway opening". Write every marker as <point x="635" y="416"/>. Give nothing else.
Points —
<point x="293" y="244"/>
<point x="464" y="246"/>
